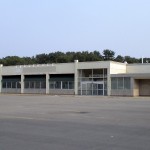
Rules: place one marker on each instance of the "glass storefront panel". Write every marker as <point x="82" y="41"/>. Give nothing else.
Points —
<point x="100" y="86"/>
<point x="97" y="73"/>
<point x="65" y="85"/>
<point x="89" y="92"/>
<point x="114" y="83"/>
<point x="127" y="84"/>
<point x="80" y="73"/>
<point x="89" y="86"/>
<point x="37" y="85"/>
<point x="4" y="85"/>
<point x="43" y="84"/>
<point x="58" y="85"/>
<point x="71" y="85"/>
<point x="79" y="92"/>
<point x="89" y="80"/>
<point x="95" y="86"/>
<point x="100" y="92"/>
<point x="14" y="85"/>
<point x="83" y="86"/>
<point x="19" y="85"/>
<point x="83" y="92"/>
<point x="95" y="92"/>
<point x="87" y="73"/>
<point x="120" y="83"/>
<point x="8" y="84"/>
<point x="105" y="92"/>
<point x="105" y="73"/>
<point x="27" y="84"/>
<point x="52" y="85"/>
<point x="32" y="85"/>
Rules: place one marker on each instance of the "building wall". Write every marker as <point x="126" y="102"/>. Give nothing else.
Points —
<point x="35" y="91"/>
<point x="11" y="90"/>
<point x="97" y="65"/>
<point x="141" y="78"/>
<point x="117" y="68"/>
<point x="138" y="68"/>
<point x="45" y="69"/>
<point x="94" y="65"/>
<point x="121" y="86"/>
<point x="135" y="88"/>
<point x="121" y="92"/>
<point x="1" y="66"/>
<point x="65" y="68"/>
<point x="38" y="69"/>
<point x="61" y="92"/>
<point x="138" y="87"/>
<point x="11" y="70"/>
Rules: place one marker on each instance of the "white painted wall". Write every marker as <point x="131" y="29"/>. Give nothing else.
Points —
<point x="117" y="68"/>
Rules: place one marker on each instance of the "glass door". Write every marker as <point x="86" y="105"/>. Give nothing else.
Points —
<point x="92" y="88"/>
<point x="100" y="89"/>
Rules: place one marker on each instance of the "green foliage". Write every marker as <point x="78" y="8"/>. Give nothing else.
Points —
<point x="61" y="57"/>
<point x="12" y="60"/>
<point x="119" y="58"/>
<point x="145" y="60"/>
<point x="130" y="60"/>
<point x="108" y="54"/>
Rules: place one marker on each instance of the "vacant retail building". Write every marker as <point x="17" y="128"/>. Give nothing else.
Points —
<point x="78" y="78"/>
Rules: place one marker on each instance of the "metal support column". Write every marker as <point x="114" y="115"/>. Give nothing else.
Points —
<point x="76" y="78"/>
<point x="22" y="83"/>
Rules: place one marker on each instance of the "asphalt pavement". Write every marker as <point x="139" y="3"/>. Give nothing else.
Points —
<point x="43" y="122"/>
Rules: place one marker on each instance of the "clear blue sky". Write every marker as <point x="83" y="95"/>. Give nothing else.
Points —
<point x="30" y="27"/>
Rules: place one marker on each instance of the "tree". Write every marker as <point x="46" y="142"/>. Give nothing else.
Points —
<point x="42" y="58"/>
<point x="108" y="54"/>
<point x="12" y="60"/>
<point x="61" y="57"/>
<point x="145" y="60"/>
<point x="119" y="58"/>
<point x="131" y="60"/>
<point x="28" y="60"/>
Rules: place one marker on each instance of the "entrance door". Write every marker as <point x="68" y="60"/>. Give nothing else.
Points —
<point x="144" y="87"/>
<point x="92" y="88"/>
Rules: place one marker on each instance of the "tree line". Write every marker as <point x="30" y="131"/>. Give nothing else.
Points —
<point x="65" y="57"/>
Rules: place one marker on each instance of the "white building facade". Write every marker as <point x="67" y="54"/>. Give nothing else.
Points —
<point x="101" y="78"/>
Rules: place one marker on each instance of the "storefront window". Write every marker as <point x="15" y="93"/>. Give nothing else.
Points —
<point x="14" y="85"/>
<point x="71" y="85"/>
<point x="65" y="85"/>
<point x="91" y="77"/>
<point x="58" y="85"/>
<point x="120" y="83"/>
<point x="43" y="84"/>
<point x="127" y="84"/>
<point x="114" y="83"/>
<point x="4" y="85"/>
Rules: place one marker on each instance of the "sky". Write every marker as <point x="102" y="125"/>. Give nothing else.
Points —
<point x="30" y="27"/>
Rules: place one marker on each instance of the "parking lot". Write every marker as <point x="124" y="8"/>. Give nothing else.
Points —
<point x="43" y="122"/>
